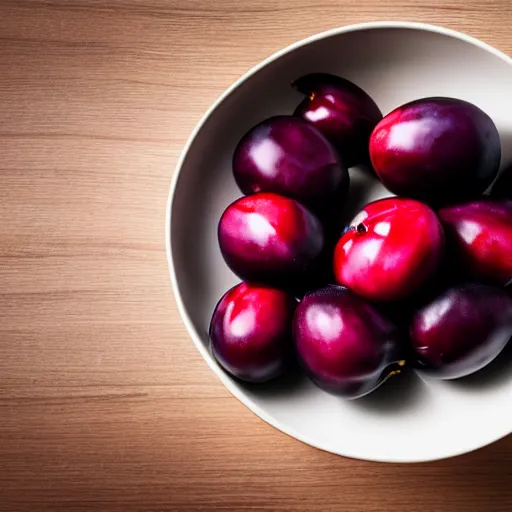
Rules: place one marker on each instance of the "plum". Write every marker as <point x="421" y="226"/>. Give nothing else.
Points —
<point x="502" y="189"/>
<point x="341" y="111"/>
<point x="251" y="332"/>
<point x="271" y="239"/>
<point x="390" y="251"/>
<point x="344" y="344"/>
<point x="288" y="156"/>
<point x="479" y="239"/>
<point x="436" y="149"/>
<point x="461" y="330"/>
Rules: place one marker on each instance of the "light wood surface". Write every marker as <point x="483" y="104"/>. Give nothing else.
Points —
<point x="104" y="402"/>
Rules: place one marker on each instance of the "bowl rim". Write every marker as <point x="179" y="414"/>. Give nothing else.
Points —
<point x="224" y="378"/>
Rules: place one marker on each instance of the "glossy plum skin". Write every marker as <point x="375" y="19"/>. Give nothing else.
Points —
<point x="502" y="189"/>
<point x="462" y="330"/>
<point x="341" y="111"/>
<point x="251" y="332"/>
<point x="271" y="239"/>
<point x="436" y="149"/>
<point x="391" y="249"/>
<point x="479" y="238"/>
<point x="345" y="346"/>
<point x="290" y="157"/>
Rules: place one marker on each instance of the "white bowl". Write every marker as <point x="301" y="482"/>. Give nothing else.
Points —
<point x="411" y="419"/>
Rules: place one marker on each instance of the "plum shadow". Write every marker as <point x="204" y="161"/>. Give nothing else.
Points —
<point x="506" y="149"/>
<point x="400" y="393"/>
<point x="362" y="179"/>
<point x="493" y="375"/>
<point x="293" y="380"/>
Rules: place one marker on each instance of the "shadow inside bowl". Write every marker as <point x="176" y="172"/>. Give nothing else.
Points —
<point x="506" y="148"/>
<point x="399" y="394"/>
<point x="363" y="183"/>
<point x="293" y="381"/>
<point x="495" y="374"/>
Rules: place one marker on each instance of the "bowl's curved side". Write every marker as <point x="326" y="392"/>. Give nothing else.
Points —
<point x="238" y="391"/>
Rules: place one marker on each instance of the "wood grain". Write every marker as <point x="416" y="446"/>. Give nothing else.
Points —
<point x="104" y="402"/>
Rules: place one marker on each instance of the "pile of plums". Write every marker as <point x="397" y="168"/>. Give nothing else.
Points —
<point x="417" y="279"/>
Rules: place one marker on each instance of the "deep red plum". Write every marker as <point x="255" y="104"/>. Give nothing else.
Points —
<point x="437" y="150"/>
<point x="345" y="346"/>
<point x="479" y="239"/>
<point x="251" y="332"/>
<point x="271" y="239"/>
<point x="341" y="111"/>
<point x="390" y="251"/>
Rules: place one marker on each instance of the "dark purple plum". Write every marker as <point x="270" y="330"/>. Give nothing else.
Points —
<point x="344" y="344"/>
<point x="436" y="149"/>
<point x="251" y="332"/>
<point x="271" y="239"/>
<point x="502" y="189"/>
<point x="479" y="239"/>
<point x="341" y="111"/>
<point x="462" y="330"/>
<point x="290" y="157"/>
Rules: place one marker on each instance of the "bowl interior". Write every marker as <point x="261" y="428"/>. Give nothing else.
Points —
<point x="410" y="419"/>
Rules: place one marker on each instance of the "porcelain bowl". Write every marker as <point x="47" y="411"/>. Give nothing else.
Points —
<point x="410" y="419"/>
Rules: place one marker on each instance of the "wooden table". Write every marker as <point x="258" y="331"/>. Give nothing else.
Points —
<point x="104" y="402"/>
